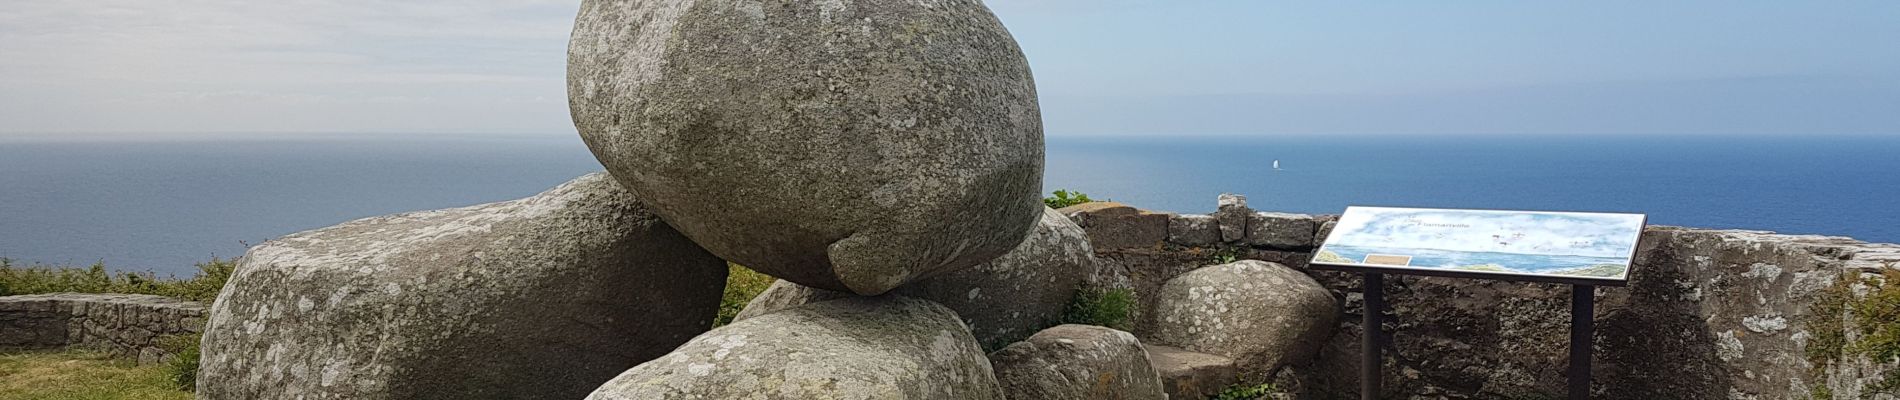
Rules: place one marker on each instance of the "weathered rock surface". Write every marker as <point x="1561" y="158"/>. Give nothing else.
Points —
<point x="1260" y="314"/>
<point x="1002" y="301"/>
<point x="1194" y="230"/>
<point x="849" y="146"/>
<point x="1077" y="362"/>
<point x="1112" y="225"/>
<point x="886" y="347"/>
<point x="1232" y="212"/>
<point x="1281" y="230"/>
<point x="1190" y="375"/>
<point x="544" y="297"/>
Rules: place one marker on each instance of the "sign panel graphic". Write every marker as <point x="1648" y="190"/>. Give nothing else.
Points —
<point x="1566" y="247"/>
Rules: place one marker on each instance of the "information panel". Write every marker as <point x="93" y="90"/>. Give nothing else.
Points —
<point x="1542" y="246"/>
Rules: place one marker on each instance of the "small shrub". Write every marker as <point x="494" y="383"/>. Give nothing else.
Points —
<point x="202" y="286"/>
<point x="1065" y="198"/>
<point x="1246" y="392"/>
<point x="742" y="284"/>
<point x="1111" y="308"/>
<point x="183" y="368"/>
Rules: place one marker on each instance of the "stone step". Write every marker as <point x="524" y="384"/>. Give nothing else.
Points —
<point x="1190" y="375"/>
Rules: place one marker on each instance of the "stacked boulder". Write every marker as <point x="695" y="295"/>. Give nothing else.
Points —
<point x="845" y="146"/>
<point x="882" y="159"/>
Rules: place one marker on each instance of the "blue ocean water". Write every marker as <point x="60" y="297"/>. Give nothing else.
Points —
<point x="162" y="205"/>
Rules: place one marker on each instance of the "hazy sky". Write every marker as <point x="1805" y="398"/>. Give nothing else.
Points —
<point x="1102" y="66"/>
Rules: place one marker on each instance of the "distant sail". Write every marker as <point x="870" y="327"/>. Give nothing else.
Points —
<point x="1276" y="165"/>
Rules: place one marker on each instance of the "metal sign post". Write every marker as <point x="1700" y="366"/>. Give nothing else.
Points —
<point x="1583" y="301"/>
<point x="1584" y="250"/>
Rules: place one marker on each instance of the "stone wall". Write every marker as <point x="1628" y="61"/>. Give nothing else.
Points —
<point x="125" y="325"/>
<point x="1708" y="314"/>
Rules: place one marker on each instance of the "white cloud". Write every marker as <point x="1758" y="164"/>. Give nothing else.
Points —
<point x="189" y="65"/>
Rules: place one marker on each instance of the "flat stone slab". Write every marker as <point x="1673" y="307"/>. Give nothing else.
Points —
<point x="1190" y="375"/>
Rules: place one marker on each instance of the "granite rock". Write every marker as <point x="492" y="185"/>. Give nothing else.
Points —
<point x="848" y="146"/>
<point x="1003" y="300"/>
<point x="885" y="347"/>
<point x="1077" y="362"/>
<point x="1194" y="230"/>
<point x="1262" y="315"/>
<point x="543" y="297"/>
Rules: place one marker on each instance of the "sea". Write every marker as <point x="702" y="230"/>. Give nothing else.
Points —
<point x="162" y="203"/>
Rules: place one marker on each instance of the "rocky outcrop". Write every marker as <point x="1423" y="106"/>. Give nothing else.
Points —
<point x="847" y="146"/>
<point x="1261" y="315"/>
<point x="1003" y="300"/>
<point x="544" y="297"/>
<point x="1077" y="362"/>
<point x="1190" y="375"/>
<point x="129" y="326"/>
<point x="886" y="347"/>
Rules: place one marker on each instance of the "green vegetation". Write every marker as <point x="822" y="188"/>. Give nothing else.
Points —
<point x="1065" y="198"/>
<point x="82" y="376"/>
<point x="1226" y="254"/>
<point x="120" y="382"/>
<point x="1246" y="392"/>
<point x="1111" y="308"/>
<point x="203" y="286"/>
<point x="183" y="368"/>
<point x="742" y="284"/>
<point x="1876" y="324"/>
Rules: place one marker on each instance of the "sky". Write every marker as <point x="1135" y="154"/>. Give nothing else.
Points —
<point x="1103" y="67"/>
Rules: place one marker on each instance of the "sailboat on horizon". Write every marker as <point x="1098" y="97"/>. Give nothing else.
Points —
<point x="1276" y="165"/>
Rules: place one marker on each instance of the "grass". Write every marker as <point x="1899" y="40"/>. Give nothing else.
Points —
<point x="202" y="286"/>
<point x="116" y="381"/>
<point x="1110" y="308"/>
<point x="82" y="376"/>
<point x="742" y="284"/>
<point x="1876" y="320"/>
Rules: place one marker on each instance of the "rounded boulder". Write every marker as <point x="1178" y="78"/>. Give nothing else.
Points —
<point x="1260" y="314"/>
<point x="847" y="146"/>
<point x="886" y="347"/>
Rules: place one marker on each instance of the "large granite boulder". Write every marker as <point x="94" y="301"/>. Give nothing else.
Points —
<point x="886" y="347"/>
<point x="1077" y="362"/>
<point x="1260" y="314"/>
<point x="1003" y="300"/>
<point x="848" y="146"/>
<point x="544" y="297"/>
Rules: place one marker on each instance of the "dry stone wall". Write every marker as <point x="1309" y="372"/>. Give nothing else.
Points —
<point x="125" y="325"/>
<point x="1708" y="314"/>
